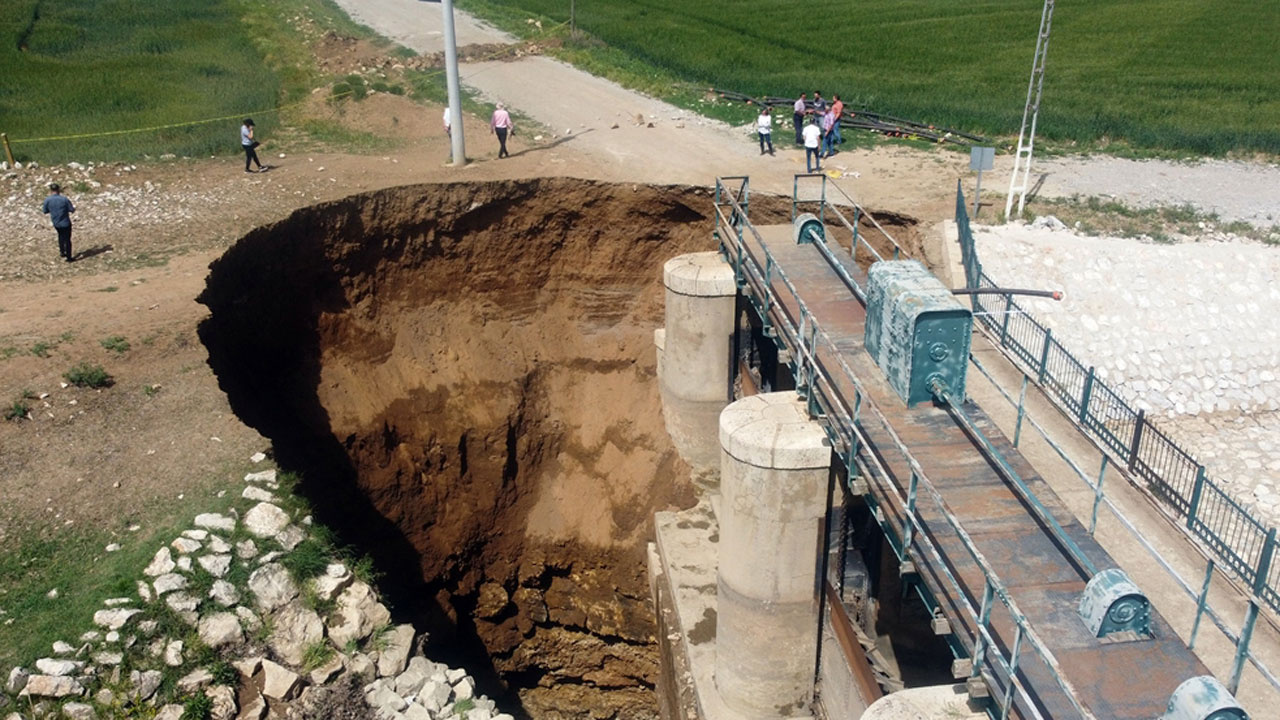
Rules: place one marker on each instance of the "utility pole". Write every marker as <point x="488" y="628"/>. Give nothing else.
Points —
<point x="1027" y="139"/>
<point x="455" y="94"/>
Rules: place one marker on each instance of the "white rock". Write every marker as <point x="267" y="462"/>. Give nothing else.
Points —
<point x="51" y="686"/>
<point x="215" y="565"/>
<point x="248" y="618"/>
<point x="62" y="648"/>
<point x="173" y="653"/>
<point x="381" y="696"/>
<point x="79" y="711"/>
<point x="224" y="593"/>
<point x="186" y="545"/>
<point x="272" y="587"/>
<point x="246" y="549"/>
<point x="335" y="579"/>
<point x="257" y="494"/>
<point x="113" y="619"/>
<point x="221" y="628"/>
<point x="434" y="695"/>
<point x="294" y="629"/>
<point x="170" y="712"/>
<point x="358" y="613"/>
<point x="181" y="602"/>
<point x="215" y="521"/>
<point x="169" y="582"/>
<point x="398" y="642"/>
<point x="262" y="476"/>
<point x="144" y="591"/>
<point x="224" y="702"/>
<point x="361" y="666"/>
<point x="254" y="709"/>
<point x="259" y="456"/>
<point x="327" y="671"/>
<point x="58" y="668"/>
<point x="107" y="657"/>
<point x="162" y="563"/>
<point x="145" y="683"/>
<point x="195" y="680"/>
<point x="17" y="680"/>
<point x="464" y="689"/>
<point x="113" y="547"/>
<point x="218" y="546"/>
<point x="184" y="563"/>
<point x="290" y="537"/>
<point x="200" y="535"/>
<point x="265" y="520"/>
<point x="416" y="712"/>
<point x="278" y="682"/>
<point x="414" y="677"/>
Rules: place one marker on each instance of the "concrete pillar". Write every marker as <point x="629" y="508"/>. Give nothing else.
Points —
<point x="773" y="482"/>
<point x="693" y="354"/>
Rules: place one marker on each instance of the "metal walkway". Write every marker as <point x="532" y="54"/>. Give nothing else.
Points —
<point x="995" y="551"/>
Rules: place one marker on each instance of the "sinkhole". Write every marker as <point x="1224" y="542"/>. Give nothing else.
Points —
<point x="464" y="376"/>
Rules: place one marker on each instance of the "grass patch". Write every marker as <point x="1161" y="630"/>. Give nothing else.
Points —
<point x="197" y="707"/>
<point x="108" y="289"/>
<point x="1108" y="217"/>
<point x="90" y="376"/>
<point x="308" y="559"/>
<point x="1132" y="77"/>
<point x="316" y="654"/>
<point x="116" y="344"/>
<point x="20" y="407"/>
<point x="331" y="133"/>
<point x="72" y="560"/>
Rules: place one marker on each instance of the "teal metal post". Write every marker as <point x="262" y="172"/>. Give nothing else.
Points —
<point x="853" y="249"/>
<point x="1085" y="395"/>
<point x="1044" y="354"/>
<point x="1200" y="604"/>
<point x="1197" y="491"/>
<point x="984" y="615"/>
<point x="1097" y="494"/>
<point x="1022" y="411"/>
<point x="908" y="532"/>
<point x="1137" y="439"/>
<point x="1251" y="616"/>
<point x="1004" y="325"/>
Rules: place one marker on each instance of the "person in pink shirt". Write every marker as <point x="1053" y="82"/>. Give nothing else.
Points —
<point x="501" y="126"/>
<point x="837" y="107"/>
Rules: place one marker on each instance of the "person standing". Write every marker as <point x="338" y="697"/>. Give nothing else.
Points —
<point x="250" y="146"/>
<point x="59" y="210"/>
<point x="797" y="118"/>
<point x="837" y="107"/>
<point x="828" y="133"/>
<point x="764" y="129"/>
<point x="501" y="126"/>
<point x="819" y="105"/>
<point x="812" y="134"/>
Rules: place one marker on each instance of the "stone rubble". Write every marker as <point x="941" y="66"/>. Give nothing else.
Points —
<point x="279" y="642"/>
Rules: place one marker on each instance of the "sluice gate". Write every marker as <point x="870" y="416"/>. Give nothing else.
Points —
<point x="932" y="517"/>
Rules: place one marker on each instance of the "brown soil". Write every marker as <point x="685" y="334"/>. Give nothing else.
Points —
<point x="465" y="376"/>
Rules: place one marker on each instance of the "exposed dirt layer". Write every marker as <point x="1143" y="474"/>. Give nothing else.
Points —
<point x="465" y="375"/>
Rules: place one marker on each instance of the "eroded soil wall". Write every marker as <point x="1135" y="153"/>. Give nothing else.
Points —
<point x="465" y="376"/>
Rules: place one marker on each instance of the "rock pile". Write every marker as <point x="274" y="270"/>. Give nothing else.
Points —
<point x="228" y="623"/>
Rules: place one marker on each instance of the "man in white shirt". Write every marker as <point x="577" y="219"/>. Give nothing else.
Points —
<point x="812" y="138"/>
<point x="797" y="118"/>
<point x="764" y="129"/>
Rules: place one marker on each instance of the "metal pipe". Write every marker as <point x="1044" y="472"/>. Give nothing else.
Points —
<point x="1054" y="294"/>
<point x="459" y="156"/>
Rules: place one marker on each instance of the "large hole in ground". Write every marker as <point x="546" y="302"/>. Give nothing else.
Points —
<point x="464" y="376"/>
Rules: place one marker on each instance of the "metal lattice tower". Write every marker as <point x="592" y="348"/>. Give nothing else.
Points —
<point x="1018" y="183"/>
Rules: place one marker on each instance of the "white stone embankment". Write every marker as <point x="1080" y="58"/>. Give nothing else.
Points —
<point x="1189" y="332"/>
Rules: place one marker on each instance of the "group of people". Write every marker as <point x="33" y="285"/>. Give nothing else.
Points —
<point x="817" y="127"/>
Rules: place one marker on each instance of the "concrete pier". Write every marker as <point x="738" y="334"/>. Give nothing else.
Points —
<point x="694" y="354"/>
<point x="774" y="476"/>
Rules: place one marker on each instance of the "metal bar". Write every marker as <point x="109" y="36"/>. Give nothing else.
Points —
<point x="1044" y="354"/>
<point x="1004" y="326"/>
<point x="1201" y="601"/>
<point x="1197" y="492"/>
<point x="1242" y="648"/>
<point x="1013" y="674"/>
<point x="911" y="508"/>
<point x="1022" y="411"/>
<point x="1097" y="496"/>
<point x="1010" y="474"/>
<point x="1085" y="394"/>
<point x="1137" y="439"/>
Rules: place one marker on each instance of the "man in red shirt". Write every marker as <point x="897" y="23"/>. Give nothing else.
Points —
<point x="837" y="107"/>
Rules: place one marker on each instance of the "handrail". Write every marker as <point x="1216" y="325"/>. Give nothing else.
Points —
<point x="747" y="270"/>
<point x="898" y="250"/>
<point x="1133" y="530"/>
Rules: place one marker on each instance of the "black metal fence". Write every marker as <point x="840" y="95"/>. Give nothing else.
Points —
<point x="1240" y="540"/>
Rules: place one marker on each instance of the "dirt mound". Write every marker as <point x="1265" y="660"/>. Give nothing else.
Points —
<point x="465" y="376"/>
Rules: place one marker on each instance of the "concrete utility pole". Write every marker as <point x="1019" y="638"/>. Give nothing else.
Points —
<point x="455" y="95"/>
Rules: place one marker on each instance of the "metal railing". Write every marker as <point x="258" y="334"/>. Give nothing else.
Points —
<point x="764" y="280"/>
<point x="859" y="213"/>
<point x="1239" y="540"/>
